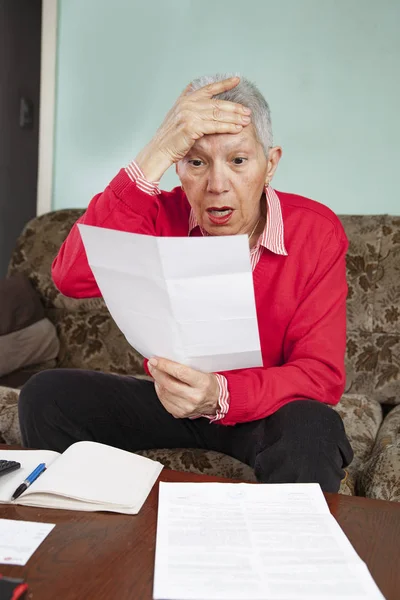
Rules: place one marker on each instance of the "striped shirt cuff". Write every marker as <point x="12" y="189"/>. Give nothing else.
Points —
<point x="223" y="400"/>
<point x="136" y="175"/>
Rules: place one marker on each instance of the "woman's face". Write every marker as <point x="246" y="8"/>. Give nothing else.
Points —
<point x="223" y="176"/>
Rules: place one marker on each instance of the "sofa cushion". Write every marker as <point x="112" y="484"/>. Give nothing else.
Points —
<point x="202" y="462"/>
<point x="373" y="307"/>
<point x="386" y="315"/>
<point x="31" y="345"/>
<point x="372" y="265"/>
<point x="364" y="233"/>
<point x="89" y="337"/>
<point x="380" y="475"/>
<point x="36" y="249"/>
<point x="92" y="340"/>
<point x="373" y="365"/>
<point x="20" y="304"/>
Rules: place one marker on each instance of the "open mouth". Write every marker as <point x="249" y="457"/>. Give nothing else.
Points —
<point x="220" y="212"/>
<point x="219" y="215"/>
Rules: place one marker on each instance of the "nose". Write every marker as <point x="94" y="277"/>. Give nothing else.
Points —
<point x="218" y="182"/>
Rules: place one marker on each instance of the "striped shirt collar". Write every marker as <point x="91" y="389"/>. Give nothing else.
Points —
<point x="272" y="237"/>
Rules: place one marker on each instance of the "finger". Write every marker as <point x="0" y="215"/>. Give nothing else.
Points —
<point x="188" y="90"/>
<point x="167" y="399"/>
<point x="172" y="385"/>
<point x="216" y="114"/>
<point x="228" y="106"/>
<point x="222" y="105"/>
<point x="175" y="405"/>
<point x="212" y="89"/>
<point x="211" y="127"/>
<point x="181" y="372"/>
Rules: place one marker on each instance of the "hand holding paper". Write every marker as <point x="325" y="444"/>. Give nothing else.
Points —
<point x="183" y="391"/>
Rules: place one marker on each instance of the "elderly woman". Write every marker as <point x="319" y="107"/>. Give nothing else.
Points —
<point x="275" y="418"/>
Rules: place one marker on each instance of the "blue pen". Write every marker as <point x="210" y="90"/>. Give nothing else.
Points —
<point x="28" y="481"/>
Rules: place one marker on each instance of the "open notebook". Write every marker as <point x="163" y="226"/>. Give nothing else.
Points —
<point x="87" y="476"/>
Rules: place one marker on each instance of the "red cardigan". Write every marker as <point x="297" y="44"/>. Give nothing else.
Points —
<point x="300" y="298"/>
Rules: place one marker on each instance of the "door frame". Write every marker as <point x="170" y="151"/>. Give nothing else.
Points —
<point x="48" y="77"/>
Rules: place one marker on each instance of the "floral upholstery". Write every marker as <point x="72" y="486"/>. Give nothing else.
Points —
<point x="9" y="426"/>
<point x="88" y="336"/>
<point x="380" y="476"/>
<point x="90" y="339"/>
<point x="373" y="273"/>
<point x="362" y="417"/>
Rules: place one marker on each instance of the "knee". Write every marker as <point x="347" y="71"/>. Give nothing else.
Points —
<point x="309" y="422"/>
<point x="38" y="393"/>
<point x="311" y="432"/>
<point x="32" y="391"/>
<point x="306" y="442"/>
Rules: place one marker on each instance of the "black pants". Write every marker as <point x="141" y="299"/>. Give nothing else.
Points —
<point x="304" y="441"/>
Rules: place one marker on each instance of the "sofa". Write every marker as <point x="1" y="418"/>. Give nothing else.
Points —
<point x="370" y="407"/>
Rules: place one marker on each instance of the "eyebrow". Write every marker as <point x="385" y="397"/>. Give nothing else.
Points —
<point x="234" y="145"/>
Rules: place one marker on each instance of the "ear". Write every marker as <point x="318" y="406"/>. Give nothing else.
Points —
<point x="274" y="156"/>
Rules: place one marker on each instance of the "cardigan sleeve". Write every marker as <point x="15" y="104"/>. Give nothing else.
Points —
<point x="125" y="206"/>
<point x="314" y="347"/>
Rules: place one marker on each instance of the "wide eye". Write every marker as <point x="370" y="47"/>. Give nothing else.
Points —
<point x="239" y="160"/>
<point x="196" y="162"/>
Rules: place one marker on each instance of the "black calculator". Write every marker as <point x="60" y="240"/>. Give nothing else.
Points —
<point x="6" y="466"/>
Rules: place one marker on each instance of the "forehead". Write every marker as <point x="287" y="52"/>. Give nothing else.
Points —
<point x="227" y="142"/>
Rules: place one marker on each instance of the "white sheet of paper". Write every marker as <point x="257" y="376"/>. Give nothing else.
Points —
<point x="20" y="539"/>
<point x="187" y="299"/>
<point x="253" y="542"/>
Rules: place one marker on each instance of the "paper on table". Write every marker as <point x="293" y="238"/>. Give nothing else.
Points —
<point x="253" y="542"/>
<point x="20" y="539"/>
<point x="187" y="299"/>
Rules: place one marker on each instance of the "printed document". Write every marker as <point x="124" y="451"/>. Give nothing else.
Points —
<point x="227" y="541"/>
<point x="190" y="300"/>
<point x="20" y="539"/>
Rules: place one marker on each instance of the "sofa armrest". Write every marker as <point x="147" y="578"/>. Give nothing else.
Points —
<point x="380" y="477"/>
<point x="9" y="423"/>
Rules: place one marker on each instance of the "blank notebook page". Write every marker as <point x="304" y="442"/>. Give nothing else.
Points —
<point x="99" y="474"/>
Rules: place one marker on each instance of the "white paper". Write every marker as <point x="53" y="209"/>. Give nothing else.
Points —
<point x="29" y="460"/>
<point x="253" y="542"/>
<point x="91" y="476"/>
<point x="187" y="299"/>
<point x="20" y="539"/>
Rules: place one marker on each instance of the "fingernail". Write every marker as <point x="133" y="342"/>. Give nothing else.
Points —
<point x="153" y="362"/>
<point x="239" y="127"/>
<point x="246" y="119"/>
<point x="246" y="110"/>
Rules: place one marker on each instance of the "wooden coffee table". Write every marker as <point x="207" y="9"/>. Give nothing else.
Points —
<point x="105" y="555"/>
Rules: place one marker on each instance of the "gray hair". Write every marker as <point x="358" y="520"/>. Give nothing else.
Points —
<point x="249" y="95"/>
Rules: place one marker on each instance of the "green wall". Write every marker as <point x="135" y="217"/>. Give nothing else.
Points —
<point x="329" y="69"/>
